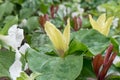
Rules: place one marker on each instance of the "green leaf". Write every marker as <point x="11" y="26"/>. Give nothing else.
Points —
<point x="44" y="8"/>
<point x="17" y="1"/>
<point x="41" y="42"/>
<point x="24" y="76"/>
<point x="87" y="71"/>
<point x="53" y="67"/>
<point x="6" y="8"/>
<point x="95" y="42"/>
<point x="26" y="12"/>
<point x="115" y="44"/>
<point x="11" y="20"/>
<point x="76" y="45"/>
<point x="6" y="60"/>
<point x="32" y="23"/>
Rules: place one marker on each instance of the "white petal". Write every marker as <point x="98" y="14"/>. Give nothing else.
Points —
<point x="24" y="48"/>
<point x="9" y="41"/>
<point x="16" y="68"/>
<point x="15" y="37"/>
<point x="12" y="30"/>
<point x="19" y="37"/>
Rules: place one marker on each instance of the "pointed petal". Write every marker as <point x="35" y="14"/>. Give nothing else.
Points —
<point x="16" y="34"/>
<point x="94" y="24"/>
<point x="101" y="19"/>
<point x="108" y="24"/>
<point x="97" y="63"/>
<point x="108" y="54"/>
<point x="14" y="37"/>
<point x="12" y="30"/>
<point x="16" y="68"/>
<point x="66" y="34"/>
<point x="55" y="36"/>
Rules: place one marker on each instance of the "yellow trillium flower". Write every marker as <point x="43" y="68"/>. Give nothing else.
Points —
<point x="102" y="25"/>
<point x="59" y="40"/>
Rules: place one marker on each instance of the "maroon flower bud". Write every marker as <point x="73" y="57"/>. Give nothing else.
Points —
<point x="77" y="23"/>
<point x="53" y="10"/>
<point x="97" y="63"/>
<point x="105" y="68"/>
<point x="43" y="19"/>
<point x="102" y="64"/>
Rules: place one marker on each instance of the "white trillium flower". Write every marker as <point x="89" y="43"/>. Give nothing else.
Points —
<point x="14" y="37"/>
<point x="14" y="40"/>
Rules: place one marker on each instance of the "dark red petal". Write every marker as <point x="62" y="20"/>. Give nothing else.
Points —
<point x="108" y="53"/>
<point x="77" y="23"/>
<point x="97" y="62"/>
<point x="53" y="10"/>
<point x="43" y="19"/>
<point x="106" y="67"/>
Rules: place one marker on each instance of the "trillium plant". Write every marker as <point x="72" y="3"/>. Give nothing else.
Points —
<point x="54" y="40"/>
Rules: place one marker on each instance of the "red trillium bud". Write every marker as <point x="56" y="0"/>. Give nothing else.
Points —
<point x="97" y="63"/>
<point x="106" y="67"/>
<point x="77" y="23"/>
<point x="43" y="19"/>
<point x="53" y="10"/>
<point x="102" y="64"/>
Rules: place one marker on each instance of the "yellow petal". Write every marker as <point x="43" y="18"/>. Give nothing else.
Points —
<point x="66" y="34"/>
<point x="101" y="20"/>
<point x="55" y="36"/>
<point x="94" y="23"/>
<point x="101" y="25"/>
<point x="108" y="24"/>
